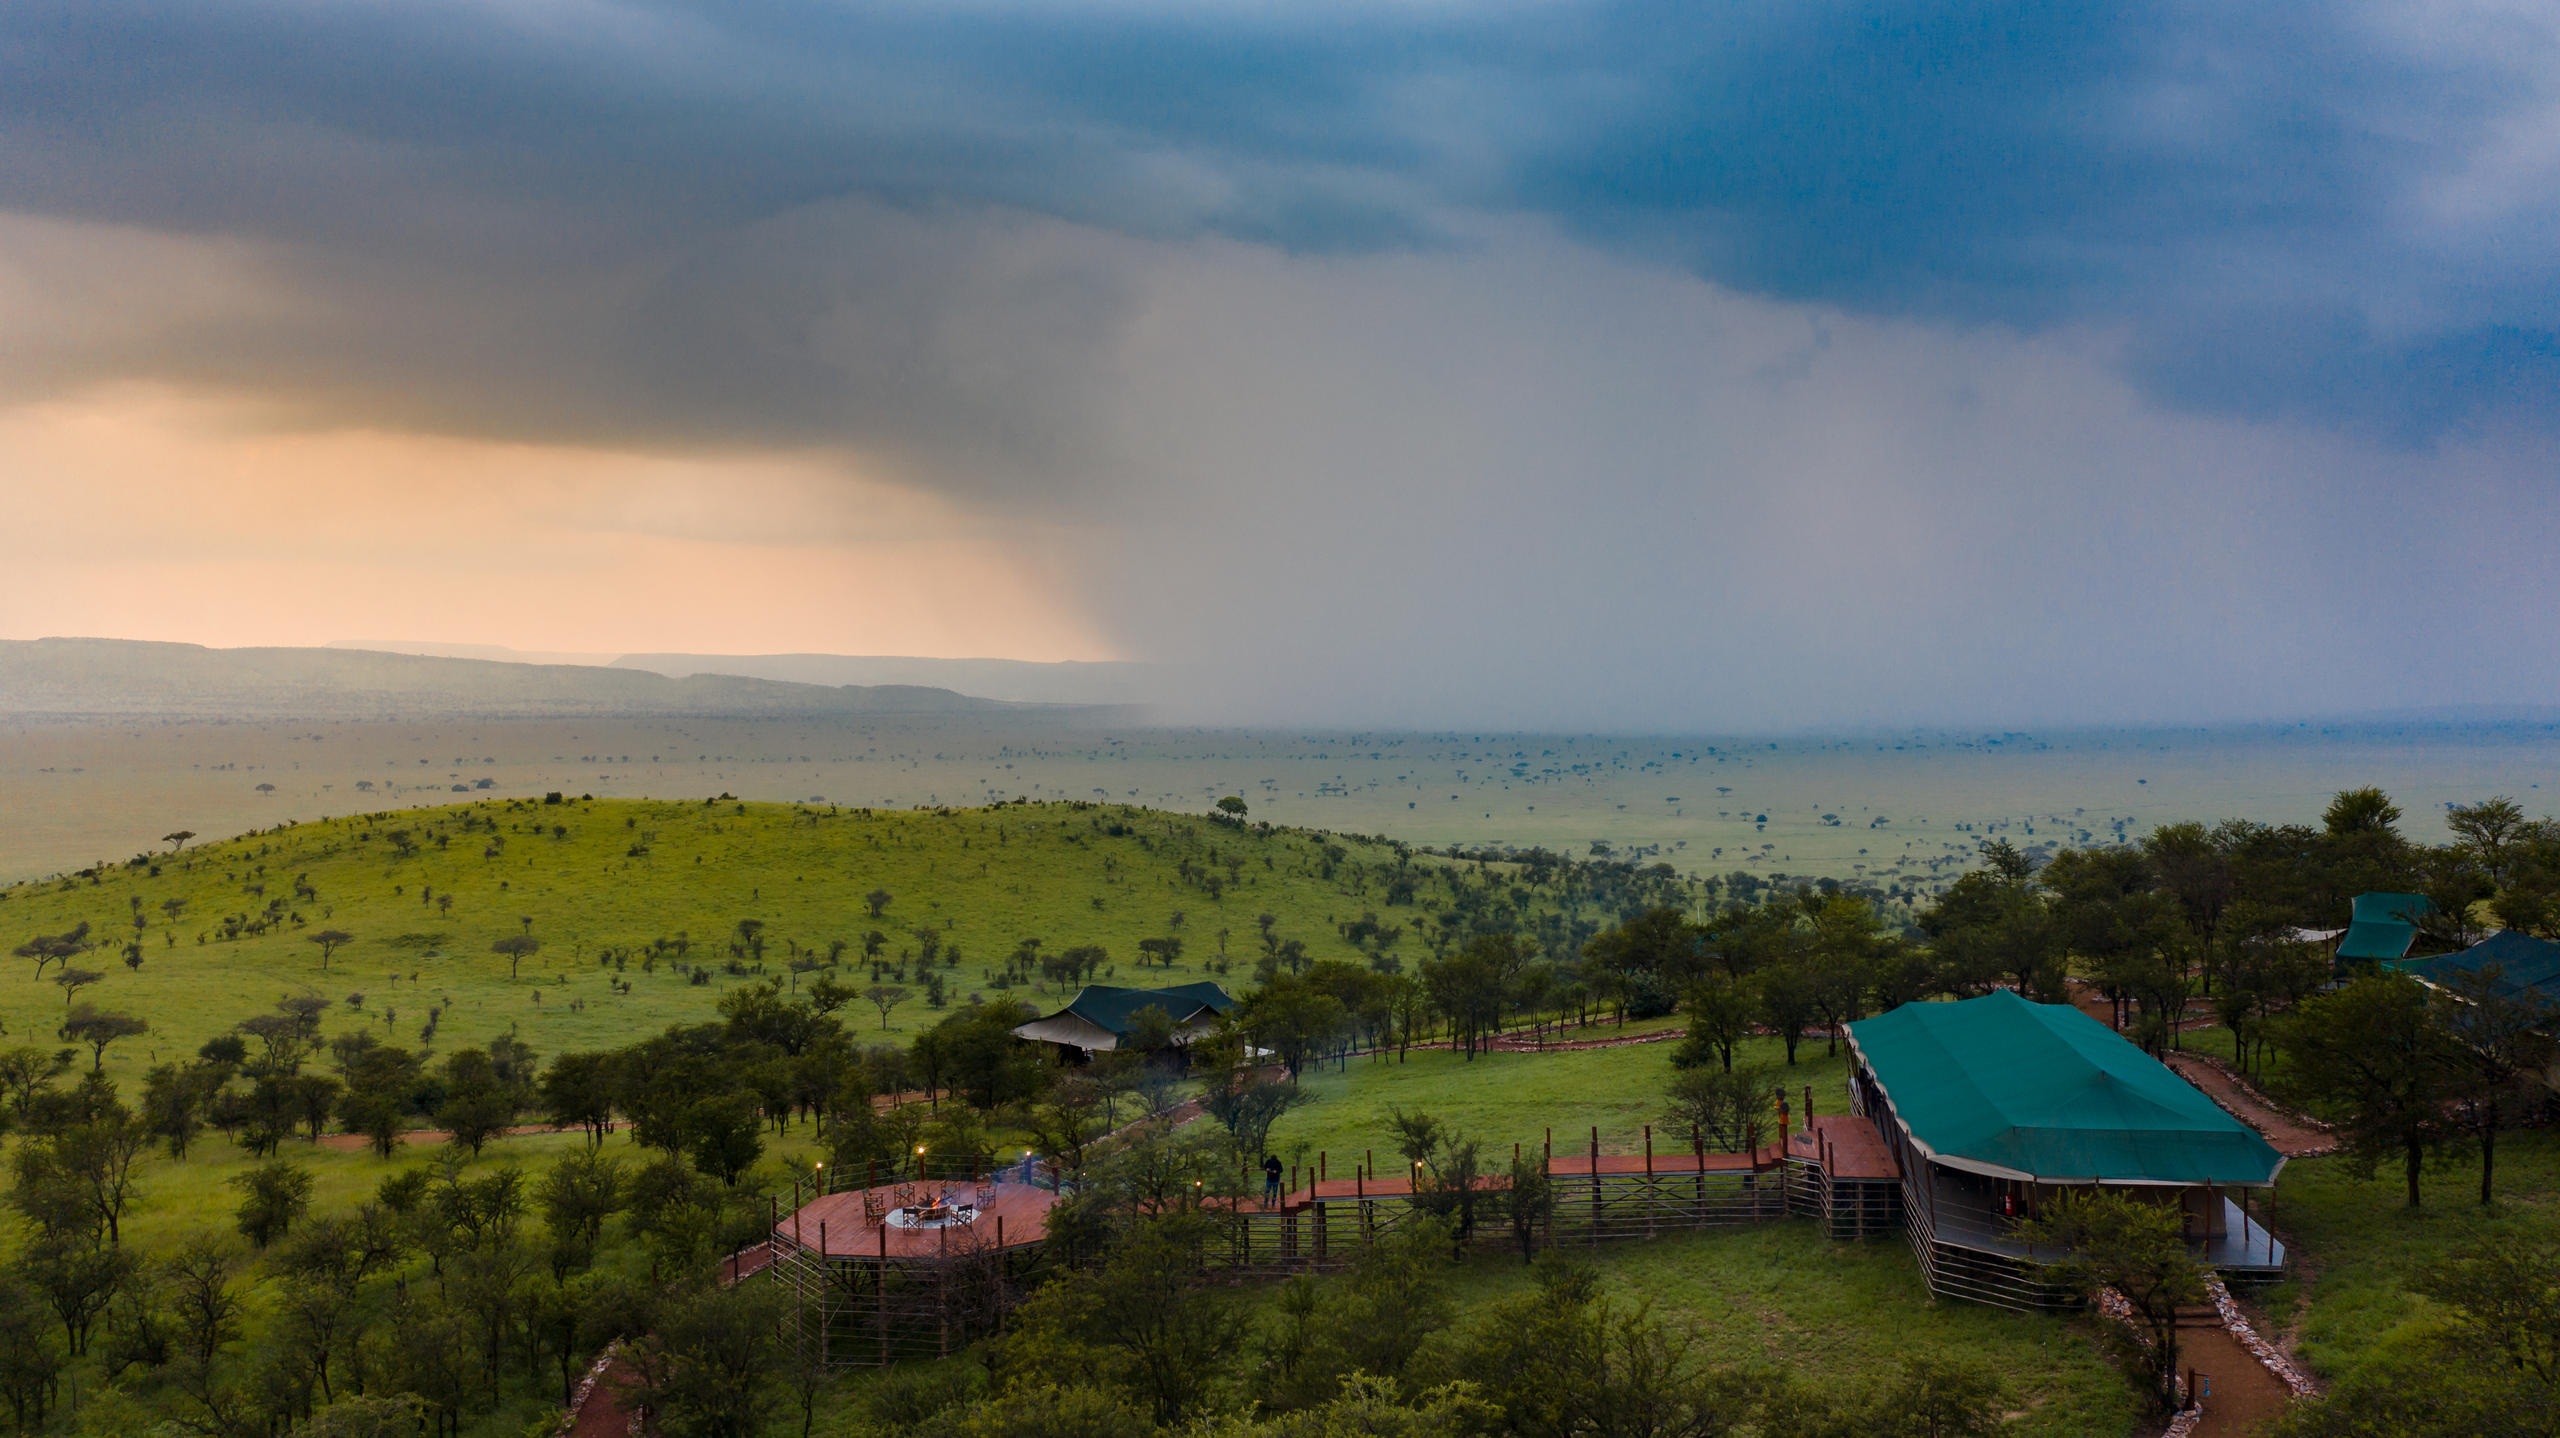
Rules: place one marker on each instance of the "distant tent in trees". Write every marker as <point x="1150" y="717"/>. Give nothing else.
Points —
<point x="1100" y="1017"/>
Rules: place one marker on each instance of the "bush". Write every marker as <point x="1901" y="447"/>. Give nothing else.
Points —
<point x="1648" y="997"/>
<point x="276" y="1195"/>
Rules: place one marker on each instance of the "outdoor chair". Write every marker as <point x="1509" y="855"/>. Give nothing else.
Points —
<point x="986" y="1192"/>
<point x="906" y="1195"/>
<point x="875" y="1207"/>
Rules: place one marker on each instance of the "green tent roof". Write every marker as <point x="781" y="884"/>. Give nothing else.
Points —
<point x="1111" y="1008"/>
<point x="2379" y="927"/>
<point x="2521" y="964"/>
<point x="2014" y="1089"/>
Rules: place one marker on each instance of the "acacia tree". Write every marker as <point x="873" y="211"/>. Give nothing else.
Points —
<point x="515" y="947"/>
<point x="54" y="948"/>
<point x="2502" y="1041"/>
<point x="2137" y="1249"/>
<point x="2373" y="1054"/>
<point x="1721" y="1009"/>
<point x="177" y="842"/>
<point x="885" y="997"/>
<point x="329" y="941"/>
<point x="74" y="980"/>
<point x="98" y="1028"/>
<point x="1725" y="1109"/>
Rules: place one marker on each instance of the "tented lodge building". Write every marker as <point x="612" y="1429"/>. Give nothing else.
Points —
<point x="1992" y="1106"/>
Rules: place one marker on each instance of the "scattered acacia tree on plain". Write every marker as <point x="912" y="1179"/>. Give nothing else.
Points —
<point x="515" y="948"/>
<point x="61" y="948"/>
<point x="177" y="841"/>
<point x="98" y="1028"/>
<point x="885" y="997"/>
<point x="74" y="980"/>
<point x="329" y="940"/>
<point x="877" y="901"/>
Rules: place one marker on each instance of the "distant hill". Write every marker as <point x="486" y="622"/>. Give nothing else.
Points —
<point x="1018" y="680"/>
<point x="132" y="677"/>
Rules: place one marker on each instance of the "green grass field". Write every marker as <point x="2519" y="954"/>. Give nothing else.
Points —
<point x="1842" y="1315"/>
<point x="626" y="874"/>
<point x="1504" y="1099"/>
<point x="2362" y="1248"/>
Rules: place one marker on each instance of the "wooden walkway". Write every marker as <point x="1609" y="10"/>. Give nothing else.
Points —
<point x="1846" y="1146"/>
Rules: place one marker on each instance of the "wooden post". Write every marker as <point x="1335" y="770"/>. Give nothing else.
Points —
<point x="1320" y="1165"/>
<point x="822" y="1238"/>
<point x="1808" y="1105"/>
<point x="1595" y="1184"/>
<point x="1648" y="1150"/>
<point x="1698" y="1154"/>
<point x="880" y="1294"/>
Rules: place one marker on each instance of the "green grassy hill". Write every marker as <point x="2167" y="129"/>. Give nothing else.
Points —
<point x="622" y="894"/>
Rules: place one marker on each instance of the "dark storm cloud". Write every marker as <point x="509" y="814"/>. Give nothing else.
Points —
<point x="2285" y="210"/>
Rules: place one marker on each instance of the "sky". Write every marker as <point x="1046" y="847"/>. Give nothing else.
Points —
<point x="1639" y="366"/>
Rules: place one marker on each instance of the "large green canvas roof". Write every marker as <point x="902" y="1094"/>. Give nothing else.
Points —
<point x="2380" y="928"/>
<point x="1112" y="1008"/>
<point x="2523" y="964"/>
<point x="2020" y="1090"/>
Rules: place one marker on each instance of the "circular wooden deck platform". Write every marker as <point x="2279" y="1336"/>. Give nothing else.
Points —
<point x="1016" y="1215"/>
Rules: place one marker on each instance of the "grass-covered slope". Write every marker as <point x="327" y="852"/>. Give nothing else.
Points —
<point x="611" y="888"/>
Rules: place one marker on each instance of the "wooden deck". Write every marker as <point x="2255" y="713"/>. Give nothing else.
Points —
<point x="1847" y="1146"/>
<point x="1018" y="1215"/>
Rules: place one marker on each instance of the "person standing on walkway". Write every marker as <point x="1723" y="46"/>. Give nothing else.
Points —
<point x="1270" y="1180"/>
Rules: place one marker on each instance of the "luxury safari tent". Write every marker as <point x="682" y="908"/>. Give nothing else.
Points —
<point x="2381" y="929"/>
<point x="2513" y="964"/>
<point x="1098" y="1019"/>
<point x="1994" y="1105"/>
<point x="2510" y="966"/>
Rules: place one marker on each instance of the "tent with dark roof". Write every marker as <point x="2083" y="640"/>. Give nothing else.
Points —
<point x="1099" y="1018"/>
<point x="2513" y="963"/>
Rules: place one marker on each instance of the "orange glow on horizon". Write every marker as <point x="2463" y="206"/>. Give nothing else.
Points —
<point x="147" y="513"/>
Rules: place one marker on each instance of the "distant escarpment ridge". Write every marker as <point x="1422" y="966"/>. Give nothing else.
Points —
<point x="123" y="677"/>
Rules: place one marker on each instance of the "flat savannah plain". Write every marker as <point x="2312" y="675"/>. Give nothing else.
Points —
<point x="1904" y="807"/>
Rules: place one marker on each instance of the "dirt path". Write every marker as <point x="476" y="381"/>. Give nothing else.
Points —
<point x="356" y="1142"/>
<point x="603" y="1413"/>
<point x="2245" y="1397"/>
<point x="2291" y="1137"/>
<point x="604" y="1410"/>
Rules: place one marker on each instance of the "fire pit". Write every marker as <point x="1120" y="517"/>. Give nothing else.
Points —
<point x="938" y="1212"/>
